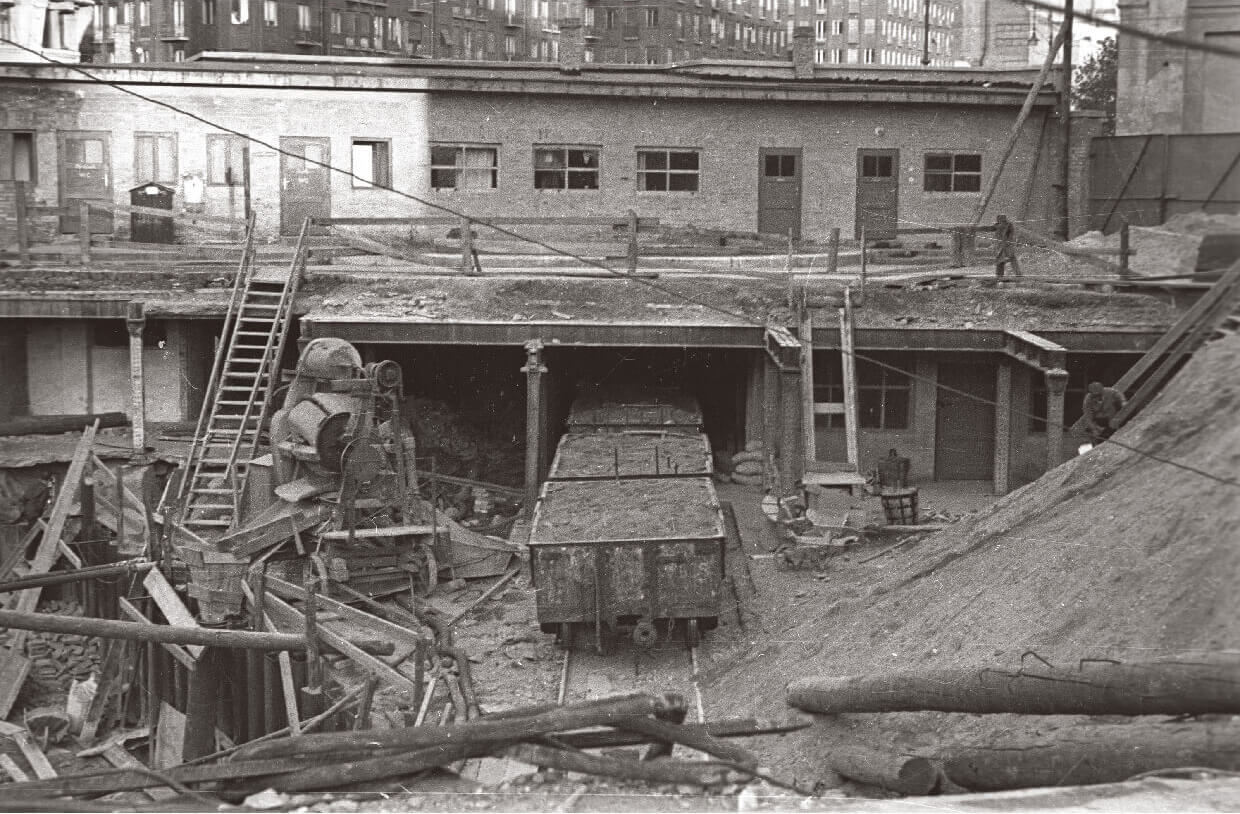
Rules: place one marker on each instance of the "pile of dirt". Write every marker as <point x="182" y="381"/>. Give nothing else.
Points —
<point x="1111" y="555"/>
<point x="646" y="509"/>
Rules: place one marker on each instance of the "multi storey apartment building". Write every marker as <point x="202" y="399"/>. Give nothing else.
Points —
<point x="664" y="31"/>
<point x="882" y="32"/>
<point x="172" y="30"/>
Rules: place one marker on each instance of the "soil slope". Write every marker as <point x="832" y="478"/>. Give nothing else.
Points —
<point x="1112" y="554"/>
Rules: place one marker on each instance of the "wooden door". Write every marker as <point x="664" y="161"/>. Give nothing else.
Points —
<point x="964" y="439"/>
<point x="305" y="182"/>
<point x="779" y="191"/>
<point x="85" y="174"/>
<point x="878" y="198"/>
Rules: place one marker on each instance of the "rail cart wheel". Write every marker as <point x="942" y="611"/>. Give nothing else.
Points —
<point x="692" y="637"/>
<point x="644" y="634"/>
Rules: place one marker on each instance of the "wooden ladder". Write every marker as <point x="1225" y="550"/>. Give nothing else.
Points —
<point x="245" y="373"/>
<point x="1199" y="323"/>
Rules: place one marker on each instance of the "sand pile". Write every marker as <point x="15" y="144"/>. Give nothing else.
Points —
<point x="1110" y="555"/>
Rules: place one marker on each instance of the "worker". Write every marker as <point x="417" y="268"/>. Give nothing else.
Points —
<point x="1102" y="405"/>
<point x="1006" y="252"/>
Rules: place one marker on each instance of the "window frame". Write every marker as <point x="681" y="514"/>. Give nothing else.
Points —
<point x="953" y="174"/>
<point x="566" y="169"/>
<point x="458" y="167"/>
<point x="7" y="169"/>
<point x="272" y="6"/>
<point x="381" y="162"/>
<point x="829" y="389"/>
<point x="667" y="171"/>
<point x="153" y="136"/>
<point x="238" y="179"/>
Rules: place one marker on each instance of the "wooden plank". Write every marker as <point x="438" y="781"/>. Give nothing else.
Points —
<point x="34" y="755"/>
<point x="290" y="617"/>
<point x="377" y="625"/>
<point x="370" y="534"/>
<point x="850" y="380"/>
<point x="169" y="737"/>
<point x="291" y="715"/>
<point x="452" y="220"/>
<point x="121" y="759"/>
<point x="11" y="768"/>
<point x="175" y="650"/>
<point x="170" y="605"/>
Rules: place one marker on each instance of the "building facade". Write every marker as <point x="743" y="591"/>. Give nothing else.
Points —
<point x="883" y="32"/>
<point x="43" y="29"/>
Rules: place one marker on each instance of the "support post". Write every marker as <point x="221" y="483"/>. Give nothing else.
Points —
<point x="791" y="456"/>
<point x="23" y="226"/>
<point x="849" y="370"/>
<point x="533" y="370"/>
<point x="1124" y="270"/>
<point x="201" y="706"/>
<point x="1056" y="385"/>
<point x="1003" y="428"/>
<point x="864" y="260"/>
<point x="806" y="335"/>
<point x="135" y="322"/>
<point x="833" y="251"/>
<point x="467" y="246"/>
<point x="632" y="252"/>
<point x="770" y="409"/>
<point x="1064" y="227"/>
<point x="84" y="233"/>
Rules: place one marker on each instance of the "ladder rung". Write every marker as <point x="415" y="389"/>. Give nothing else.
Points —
<point x="221" y="461"/>
<point x="249" y="347"/>
<point x="193" y="506"/>
<point x="243" y="389"/>
<point x="203" y="523"/>
<point x="210" y="490"/>
<point x="252" y="305"/>
<point x="252" y="333"/>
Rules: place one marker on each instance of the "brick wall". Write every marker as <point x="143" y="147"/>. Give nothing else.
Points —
<point x="729" y="135"/>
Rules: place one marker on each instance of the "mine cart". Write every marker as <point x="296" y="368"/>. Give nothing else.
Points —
<point x="632" y="454"/>
<point x="660" y="411"/>
<point x="642" y="557"/>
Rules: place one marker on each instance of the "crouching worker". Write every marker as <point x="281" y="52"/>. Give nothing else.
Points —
<point x="1102" y="405"/>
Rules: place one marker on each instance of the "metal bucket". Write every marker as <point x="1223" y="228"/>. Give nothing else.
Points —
<point x="900" y="506"/>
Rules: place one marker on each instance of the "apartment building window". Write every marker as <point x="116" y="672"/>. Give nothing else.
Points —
<point x="303" y="16"/>
<point x="820" y="30"/>
<point x="820" y="7"/>
<point x="953" y="172"/>
<point x="652" y="17"/>
<point x="17" y="161"/>
<point x="208" y="12"/>
<point x="6" y="22"/>
<point x="612" y="17"/>
<point x="337" y="23"/>
<point x="564" y="167"/>
<point x="239" y="11"/>
<point x="155" y="157"/>
<point x="372" y="163"/>
<point x="271" y="12"/>
<point x="853" y="33"/>
<point x="467" y="167"/>
<point x="867" y="56"/>
<point x="510" y="45"/>
<point x="661" y="170"/>
<point x="850" y="56"/>
<point x="837" y="27"/>
<point x="870" y="25"/>
<point x="178" y="54"/>
<point x="837" y="55"/>
<point x="588" y="17"/>
<point x="144" y="12"/>
<point x="226" y="160"/>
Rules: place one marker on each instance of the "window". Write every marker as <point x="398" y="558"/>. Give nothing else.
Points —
<point x="155" y="157"/>
<point x="208" y="12"/>
<point x="239" y="11"/>
<point x="820" y="7"/>
<point x="144" y="12"/>
<point x="588" y="18"/>
<point x="883" y="394"/>
<point x="178" y="55"/>
<point x="959" y="172"/>
<point x="337" y="23"/>
<point x="652" y="17"/>
<point x="837" y="55"/>
<point x="612" y="17"/>
<point x="667" y="170"/>
<point x="853" y="33"/>
<point x="565" y="167"/>
<point x="6" y="22"/>
<point x="869" y="25"/>
<point x="372" y="163"/>
<point x="867" y="56"/>
<point x="303" y="16"/>
<point x="820" y="30"/>
<point x="877" y="166"/>
<point x="226" y="160"/>
<point x="465" y="167"/>
<point x="837" y="26"/>
<point x="17" y="161"/>
<point x="271" y="12"/>
<point x="779" y="166"/>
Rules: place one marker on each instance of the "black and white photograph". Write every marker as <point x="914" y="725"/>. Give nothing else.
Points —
<point x="620" y="405"/>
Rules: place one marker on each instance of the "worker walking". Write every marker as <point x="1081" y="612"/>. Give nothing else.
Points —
<point x="1102" y="405"/>
<point x="1006" y="252"/>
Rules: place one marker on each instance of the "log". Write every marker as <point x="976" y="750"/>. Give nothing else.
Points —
<point x="692" y="737"/>
<point x="903" y="773"/>
<point x="57" y="424"/>
<point x="729" y="728"/>
<point x="77" y="575"/>
<point x="338" y="773"/>
<point x="662" y="770"/>
<point x="1093" y="753"/>
<point x="1093" y="688"/>
<point x="482" y="730"/>
<point x="136" y="631"/>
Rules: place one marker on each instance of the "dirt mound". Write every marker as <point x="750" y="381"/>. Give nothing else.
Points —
<point x="1112" y="554"/>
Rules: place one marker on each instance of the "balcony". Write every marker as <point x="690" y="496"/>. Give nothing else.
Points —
<point x="172" y="32"/>
<point x="514" y="19"/>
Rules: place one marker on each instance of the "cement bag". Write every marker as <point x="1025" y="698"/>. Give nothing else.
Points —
<point x="742" y="457"/>
<point x="748" y="468"/>
<point x="753" y="446"/>
<point x="746" y="480"/>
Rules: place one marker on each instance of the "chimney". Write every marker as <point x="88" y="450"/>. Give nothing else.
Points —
<point x="803" y="52"/>
<point x="572" y="44"/>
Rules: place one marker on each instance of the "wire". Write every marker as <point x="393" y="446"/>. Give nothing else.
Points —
<point x="1124" y="28"/>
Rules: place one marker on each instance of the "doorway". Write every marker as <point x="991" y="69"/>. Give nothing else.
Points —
<point x="305" y="182"/>
<point x="964" y="438"/>
<point x="85" y="175"/>
<point x="779" y="191"/>
<point x="878" y="185"/>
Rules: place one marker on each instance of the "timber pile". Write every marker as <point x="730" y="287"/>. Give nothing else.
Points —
<point x="545" y="736"/>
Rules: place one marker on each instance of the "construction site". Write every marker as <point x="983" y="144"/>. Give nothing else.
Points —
<point x="730" y="491"/>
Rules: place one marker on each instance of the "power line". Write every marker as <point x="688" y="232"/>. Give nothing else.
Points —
<point x="1124" y="28"/>
<point x="742" y="317"/>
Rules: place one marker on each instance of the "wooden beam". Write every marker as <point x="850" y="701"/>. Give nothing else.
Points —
<point x="808" y="410"/>
<point x="175" y="650"/>
<point x="1003" y="428"/>
<point x="34" y="755"/>
<point x="121" y="759"/>
<point x="170" y="605"/>
<point x="135" y="631"/>
<point x="849" y="365"/>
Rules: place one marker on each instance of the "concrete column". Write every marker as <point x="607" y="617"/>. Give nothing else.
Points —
<point x="1056" y="384"/>
<point x="1003" y="428"/>
<point x="533" y="370"/>
<point x="770" y="405"/>
<point x="135" y="321"/>
<point x="791" y="456"/>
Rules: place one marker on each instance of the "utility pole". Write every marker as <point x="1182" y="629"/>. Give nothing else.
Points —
<point x="1065" y="126"/>
<point x="925" y="36"/>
